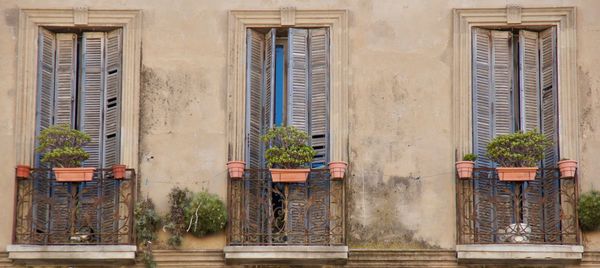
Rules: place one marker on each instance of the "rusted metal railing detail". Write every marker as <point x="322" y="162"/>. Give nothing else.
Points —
<point x="542" y="211"/>
<point x="265" y="213"/>
<point x="97" y="212"/>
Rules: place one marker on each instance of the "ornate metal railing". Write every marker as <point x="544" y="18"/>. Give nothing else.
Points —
<point x="543" y="211"/>
<point x="265" y="213"/>
<point x="97" y="212"/>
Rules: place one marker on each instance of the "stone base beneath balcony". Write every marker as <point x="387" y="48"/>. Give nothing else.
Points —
<point x="519" y="253"/>
<point x="286" y="254"/>
<point x="72" y="254"/>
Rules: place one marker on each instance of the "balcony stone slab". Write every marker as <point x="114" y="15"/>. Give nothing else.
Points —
<point x="72" y="254"/>
<point x="519" y="253"/>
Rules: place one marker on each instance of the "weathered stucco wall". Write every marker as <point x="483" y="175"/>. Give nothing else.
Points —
<point x="401" y="189"/>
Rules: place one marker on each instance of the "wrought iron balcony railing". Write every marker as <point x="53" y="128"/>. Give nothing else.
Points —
<point x="543" y="211"/>
<point x="97" y="212"/>
<point x="262" y="212"/>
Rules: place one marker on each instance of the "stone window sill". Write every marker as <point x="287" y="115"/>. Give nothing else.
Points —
<point x="286" y="254"/>
<point x="32" y="254"/>
<point x="519" y="253"/>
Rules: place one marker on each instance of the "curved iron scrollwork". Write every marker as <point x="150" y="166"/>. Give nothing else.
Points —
<point x="542" y="211"/>
<point x="49" y="212"/>
<point x="265" y="213"/>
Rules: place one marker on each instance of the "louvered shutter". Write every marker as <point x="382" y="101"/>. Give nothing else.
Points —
<point x="549" y="127"/>
<point x="66" y="78"/>
<point x="318" y="210"/>
<point x="318" y="42"/>
<point x="298" y="79"/>
<point x="91" y="94"/>
<point x="492" y="116"/>
<point x="254" y="188"/>
<point x="111" y="132"/>
<point x="530" y="120"/>
<point x="44" y="119"/>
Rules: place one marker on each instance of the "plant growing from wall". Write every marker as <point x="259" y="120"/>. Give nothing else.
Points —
<point x="519" y="149"/>
<point x="175" y="220"/>
<point x="288" y="148"/>
<point x="147" y="222"/>
<point x="589" y="211"/>
<point x="205" y="214"/>
<point x="62" y="146"/>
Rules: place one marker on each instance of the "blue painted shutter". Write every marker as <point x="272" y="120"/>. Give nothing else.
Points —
<point x="318" y="43"/>
<point x="549" y="127"/>
<point x="298" y="78"/>
<point x="492" y="116"/>
<point x="91" y="94"/>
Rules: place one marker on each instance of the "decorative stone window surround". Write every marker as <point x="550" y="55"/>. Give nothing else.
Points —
<point x="563" y="18"/>
<point x="337" y="22"/>
<point x="30" y="20"/>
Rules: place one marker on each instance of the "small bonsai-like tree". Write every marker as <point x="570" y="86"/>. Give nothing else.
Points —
<point x="62" y="146"/>
<point x="288" y="148"/>
<point x="470" y="157"/>
<point x="519" y="149"/>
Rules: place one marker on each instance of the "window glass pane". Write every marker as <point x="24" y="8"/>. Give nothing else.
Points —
<point x="279" y="90"/>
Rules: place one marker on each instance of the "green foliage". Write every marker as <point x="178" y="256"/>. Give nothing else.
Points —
<point x="205" y="214"/>
<point x="175" y="219"/>
<point x="469" y="157"/>
<point x="589" y="211"/>
<point x="519" y="149"/>
<point x="62" y="146"/>
<point x="288" y="148"/>
<point x="147" y="223"/>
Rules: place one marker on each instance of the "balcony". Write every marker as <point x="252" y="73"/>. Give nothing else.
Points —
<point x="532" y="220"/>
<point x="286" y="221"/>
<point x="71" y="220"/>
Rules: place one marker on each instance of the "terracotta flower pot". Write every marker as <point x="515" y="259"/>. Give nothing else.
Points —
<point x="337" y="169"/>
<point x="567" y="168"/>
<point x="74" y="174"/>
<point x="23" y="171"/>
<point x="236" y="169"/>
<point x="289" y="175"/>
<point x="119" y="171"/>
<point x="516" y="173"/>
<point x="465" y="169"/>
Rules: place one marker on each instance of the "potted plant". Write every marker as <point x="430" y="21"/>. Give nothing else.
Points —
<point x="236" y="169"/>
<point x="62" y="147"/>
<point x="465" y="167"/>
<point x="119" y="171"/>
<point x="518" y="154"/>
<point x="288" y="155"/>
<point x="23" y="171"/>
<point x="567" y="168"/>
<point x="337" y="169"/>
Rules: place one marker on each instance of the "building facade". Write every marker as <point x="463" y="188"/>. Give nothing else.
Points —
<point x="400" y="90"/>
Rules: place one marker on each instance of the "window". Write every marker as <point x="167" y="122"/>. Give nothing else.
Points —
<point x="79" y="83"/>
<point x="287" y="84"/>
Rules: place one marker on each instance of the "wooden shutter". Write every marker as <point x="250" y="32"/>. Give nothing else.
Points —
<point x="269" y="81"/>
<point x="254" y="188"/>
<point x="44" y="119"/>
<point x="66" y="78"/>
<point x="111" y="131"/>
<point x="91" y="94"/>
<point x="492" y="116"/>
<point x="549" y="127"/>
<point x="112" y="98"/>
<point x="530" y="120"/>
<point x="298" y="79"/>
<point x="318" y="43"/>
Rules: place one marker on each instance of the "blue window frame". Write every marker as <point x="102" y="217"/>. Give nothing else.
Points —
<point x="279" y="86"/>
